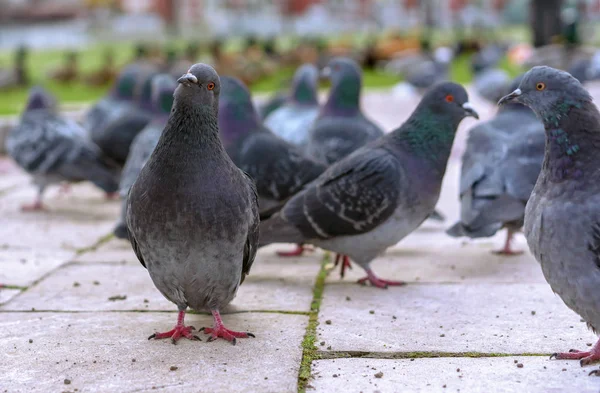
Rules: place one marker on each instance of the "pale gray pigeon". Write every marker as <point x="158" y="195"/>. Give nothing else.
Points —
<point x="192" y="215"/>
<point x="163" y="86"/>
<point x="377" y="195"/>
<point x="293" y="120"/>
<point x="500" y="166"/>
<point x="341" y="126"/>
<point x="54" y="149"/>
<point x="562" y="217"/>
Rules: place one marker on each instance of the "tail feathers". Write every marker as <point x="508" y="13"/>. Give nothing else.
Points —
<point x="277" y="230"/>
<point x="90" y="166"/>
<point x="437" y="216"/>
<point x="120" y="230"/>
<point x="459" y="230"/>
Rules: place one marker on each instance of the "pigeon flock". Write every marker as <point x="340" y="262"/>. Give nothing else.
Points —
<point x="197" y="153"/>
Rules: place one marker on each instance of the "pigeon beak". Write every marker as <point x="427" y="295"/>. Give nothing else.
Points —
<point x="188" y="79"/>
<point x="511" y="97"/>
<point x="469" y="111"/>
<point x="325" y="73"/>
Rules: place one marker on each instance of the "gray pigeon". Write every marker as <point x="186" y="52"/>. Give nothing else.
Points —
<point x="116" y="136"/>
<point x="377" y="195"/>
<point x="341" y="126"/>
<point x="500" y="165"/>
<point x="278" y="168"/>
<point x="293" y="120"/>
<point x="192" y="215"/>
<point x="562" y="217"/>
<point x="163" y="86"/>
<point x="431" y="72"/>
<point x="118" y="101"/>
<point x="54" y="149"/>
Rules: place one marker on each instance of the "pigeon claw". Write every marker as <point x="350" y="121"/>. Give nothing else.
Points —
<point x="176" y="333"/>
<point x="224" y="333"/>
<point x="36" y="206"/>
<point x="585" y="358"/>
<point x="378" y="282"/>
<point x="299" y="251"/>
<point x="507" y="252"/>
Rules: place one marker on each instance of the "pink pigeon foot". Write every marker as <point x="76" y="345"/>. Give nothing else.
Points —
<point x="219" y="330"/>
<point x="36" y="206"/>
<point x="507" y="250"/>
<point x="585" y="357"/>
<point x="378" y="282"/>
<point x="180" y="330"/>
<point x="345" y="263"/>
<point x="299" y="251"/>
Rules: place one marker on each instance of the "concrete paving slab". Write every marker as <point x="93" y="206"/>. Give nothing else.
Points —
<point x="102" y="287"/>
<point x="537" y="374"/>
<point x="109" y="352"/>
<point x="490" y="318"/>
<point x="24" y="266"/>
<point x="6" y="294"/>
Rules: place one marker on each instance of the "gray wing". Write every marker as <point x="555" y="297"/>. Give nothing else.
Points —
<point x="500" y="168"/>
<point x="350" y="198"/>
<point x="251" y="246"/>
<point x="44" y="143"/>
<point x="104" y="112"/>
<point x="333" y="138"/>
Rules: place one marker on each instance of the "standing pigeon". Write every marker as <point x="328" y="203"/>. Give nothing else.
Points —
<point x="293" y="120"/>
<point x="377" y="195"/>
<point x="116" y="136"/>
<point x="500" y="166"/>
<point x="163" y="86"/>
<point x="562" y="217"/>
<point x="341" y="126"/>
<point x="54" y="149"/>
<point x="192" y="215"/>
<point x="279" y="169"/>
<point x="118" y="101"/>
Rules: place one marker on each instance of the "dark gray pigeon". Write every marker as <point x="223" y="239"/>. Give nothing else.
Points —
<point x="377" y="195"/>
<point x="163" y="86"/>
<point x="293" y="120"/>
<point x="341" y="126"/>
<point x="116" y="136"/>
<point x="54" y="149"/>
<point x="500" y="166"/>
<point x="562" y="217"/>
<point x="118" y="101"/>
<point x="278" y="168"/>
<point x="192" y="215"/>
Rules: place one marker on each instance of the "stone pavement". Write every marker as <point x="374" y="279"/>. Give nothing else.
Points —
<point x="77" y="308"/>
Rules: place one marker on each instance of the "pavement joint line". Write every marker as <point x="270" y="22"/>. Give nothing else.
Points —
<point x="94" y="247"/>
<point x="309" y="348"/>
<point x="192" y="312"/>
<point x="419" y="355"/>
<point x="21" y="288"/>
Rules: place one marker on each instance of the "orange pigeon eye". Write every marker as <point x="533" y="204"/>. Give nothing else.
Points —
<point x="210" y="86"/>
<point x="540" y="86"/>
<point x="449" y="98"/>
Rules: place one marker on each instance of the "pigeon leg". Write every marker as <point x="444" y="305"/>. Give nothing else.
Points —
<point x="507" y="250"/>
<point x="586" y="357"/>
<point x="378" y="282"/>
<point x="37" y="205"/>
<point x="219" y="330"/>
<point x="180" y="330"/>
<point x="296" y="253"/>
<point x="345" y="263"/>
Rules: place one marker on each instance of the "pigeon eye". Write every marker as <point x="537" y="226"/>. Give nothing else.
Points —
<point x="449" y="98"/>
<point x="210" y="86"/>
<point x="540" y="86"/>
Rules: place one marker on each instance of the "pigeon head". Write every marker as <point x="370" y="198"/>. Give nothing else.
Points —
<point x="237" y="115"/>
<point x="163" y="86"/>
<point x="448" y="102"/>
<point x="549" y="92"/>
<point x="346" y="81"/>
<point x="39" y="98"/>
<point x="199" y="87"/>
<point x="304" y="85"/>
<point x="125" y="84"/>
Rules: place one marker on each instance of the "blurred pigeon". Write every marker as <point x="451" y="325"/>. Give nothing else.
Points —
<point x="278" y="168"/>
<point x="118" y="101"/>
<point x="293" y="120"/>
<point x="377" y="195"/>
<point x="54" y="149"/>
<point x="500" y="166"/>
<point x="272" y="104"/>
<point x="341" y="126"/>
<point x="492" y="84"/>
<point x="431" y="72"/>
<point x="192" y="215"/>
<point x="163" y="86"/>
<point x="562" y="217"/>
<point x="115" y="137"/>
